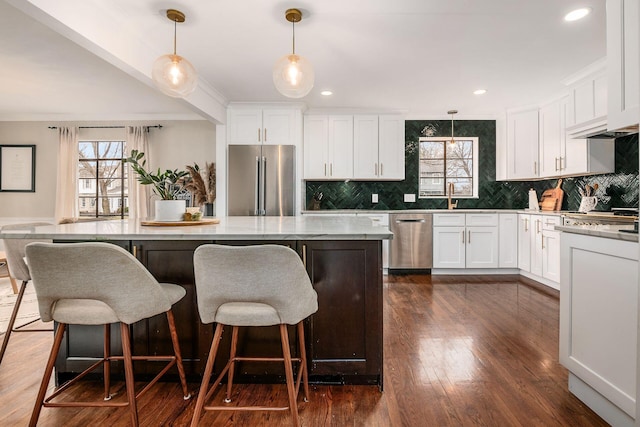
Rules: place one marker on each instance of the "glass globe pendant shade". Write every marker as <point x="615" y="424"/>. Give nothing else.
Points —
<point x="293" y="76"/>
<point x="174" y="75"/>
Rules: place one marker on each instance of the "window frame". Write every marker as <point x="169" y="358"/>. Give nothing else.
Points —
<point x="474" y="160"/>
<point x="95" y="197"/>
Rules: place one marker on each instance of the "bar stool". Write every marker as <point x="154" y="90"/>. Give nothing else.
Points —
<point x="99" y="284"/>
<point x="3" y="263"/>
<point x="262" y="285"/>
<point x="18" y="269"/>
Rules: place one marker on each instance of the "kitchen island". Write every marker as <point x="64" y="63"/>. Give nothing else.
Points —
<point x="343" y="257"/>
<point x="599" y="317"/>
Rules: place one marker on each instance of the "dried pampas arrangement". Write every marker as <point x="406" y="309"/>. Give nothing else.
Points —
<point x="202" y="183"/>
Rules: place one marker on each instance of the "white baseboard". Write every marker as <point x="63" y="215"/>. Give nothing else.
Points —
<point x="473" y="271"/>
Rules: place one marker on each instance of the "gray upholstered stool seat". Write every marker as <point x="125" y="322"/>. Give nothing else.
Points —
<point x="100" y="284"/>
<point x="241" y="286"/>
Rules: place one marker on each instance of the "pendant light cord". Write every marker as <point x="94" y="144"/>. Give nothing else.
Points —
<point x="175" y="36"/>
<point x="293" y="31"/>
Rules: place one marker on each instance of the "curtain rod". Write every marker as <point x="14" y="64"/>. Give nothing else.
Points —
<point x="108" y="127"/>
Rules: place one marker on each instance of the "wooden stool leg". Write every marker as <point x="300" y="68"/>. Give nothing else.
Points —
<point x="14" y="285"/>
<point x="106" y="364"/>
<point x="303" y="362"/>
<point x="207" y="375"/>
<point x="47" y="374"/>
<point x="176" y="351"/>
<point x="288" y="369"/>
<point x="128" y="373"/>
<point x="232" y="355"/>
<point x="12" y="319"/>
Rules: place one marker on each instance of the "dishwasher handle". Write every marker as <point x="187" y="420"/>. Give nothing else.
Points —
<point x="410" y="220"/>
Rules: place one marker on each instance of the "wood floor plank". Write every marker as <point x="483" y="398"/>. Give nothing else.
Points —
<point x="458" y="351"/>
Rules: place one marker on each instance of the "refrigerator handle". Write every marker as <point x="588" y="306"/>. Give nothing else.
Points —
<point x="263" y="185"/>
<point x="256" y="199"/>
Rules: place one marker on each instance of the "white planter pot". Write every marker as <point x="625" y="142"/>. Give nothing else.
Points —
<point x="170" y="210"/>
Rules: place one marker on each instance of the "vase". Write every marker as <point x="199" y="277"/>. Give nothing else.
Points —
<point x="170" y="210"/>
<point x="209" y="209"/>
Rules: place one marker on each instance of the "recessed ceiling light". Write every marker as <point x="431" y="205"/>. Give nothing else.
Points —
<point x="574" y="15"/>
<point x="480" y="92"/>
<point x="326" y="93"/>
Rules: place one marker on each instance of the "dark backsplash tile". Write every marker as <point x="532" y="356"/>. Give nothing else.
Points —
<point x="619" y="189"/>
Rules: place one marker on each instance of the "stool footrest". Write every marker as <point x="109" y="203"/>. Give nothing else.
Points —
<point x="246" y="408"/>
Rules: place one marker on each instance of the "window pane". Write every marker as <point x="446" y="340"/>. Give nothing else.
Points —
<point x="87" y="206"/>
<point x="110" y="169"/>
<point x="110" y="149"/>
<point x="431" y="187"/>
<point x="87" y="149"/>
<point x="431" y="149"/>
<point x="109" y="187"/>
<point x="462" y="168"/>
<point x="87" y="169"/>
<point x="110" y="206"/>
<point x="462" y="186"/>
<point x="429" y="168"/>
<point x="460" y="150"/>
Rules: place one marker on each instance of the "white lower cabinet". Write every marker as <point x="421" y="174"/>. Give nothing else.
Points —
<point x="508" y="241"/>
<point x="465" y="240"/>
<point x="599" y="323"/>
<point x="539" y="248"/>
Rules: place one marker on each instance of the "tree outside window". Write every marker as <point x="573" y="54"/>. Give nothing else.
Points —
<point x="443" y="161"/>
<point x="102" y="179"/>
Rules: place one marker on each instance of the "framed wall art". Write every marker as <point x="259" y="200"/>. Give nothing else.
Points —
<point x="18" y="168"/>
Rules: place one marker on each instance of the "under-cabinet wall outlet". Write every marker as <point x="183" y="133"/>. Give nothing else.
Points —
<point x="410" y="198"/>
<point x="374" y="198"/>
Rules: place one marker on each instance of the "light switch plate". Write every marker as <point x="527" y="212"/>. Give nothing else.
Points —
<point x="374" y="198"/>
<point x="410" y="198"/>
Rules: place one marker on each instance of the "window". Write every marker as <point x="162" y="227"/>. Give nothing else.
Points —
<point x="443" y="162"/>
<point x="102" y="179"/>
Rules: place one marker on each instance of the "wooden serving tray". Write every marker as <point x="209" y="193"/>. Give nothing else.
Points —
<point x="204" y="221"/>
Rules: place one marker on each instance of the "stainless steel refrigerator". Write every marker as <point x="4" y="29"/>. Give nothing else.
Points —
<point x="261" y="180"/>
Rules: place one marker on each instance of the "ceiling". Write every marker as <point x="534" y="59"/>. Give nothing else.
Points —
<point x="91" y="59"/>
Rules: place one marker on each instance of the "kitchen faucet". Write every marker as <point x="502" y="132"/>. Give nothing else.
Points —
<point x="451" y="205"/>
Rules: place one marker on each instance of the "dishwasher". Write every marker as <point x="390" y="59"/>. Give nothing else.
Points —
<point x="412" y="245"/>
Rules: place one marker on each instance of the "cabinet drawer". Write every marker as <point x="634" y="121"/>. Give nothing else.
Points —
<point x="480" y="220"/>
<point x="448" y="219"/>
<point x="549" y="222"/>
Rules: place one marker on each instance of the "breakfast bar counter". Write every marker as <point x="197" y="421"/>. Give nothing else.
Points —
<point x="343" y="256"/>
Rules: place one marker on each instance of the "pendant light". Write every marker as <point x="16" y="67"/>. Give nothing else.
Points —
<point x="172" y="74"/>
<point x="293" y="74"/>
<point x="452" y="112"/>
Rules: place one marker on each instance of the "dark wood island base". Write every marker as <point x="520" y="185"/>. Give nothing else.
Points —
<point x="344" y="338"/>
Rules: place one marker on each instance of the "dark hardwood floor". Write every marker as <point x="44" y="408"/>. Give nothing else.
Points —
<point x="459" y="351"/>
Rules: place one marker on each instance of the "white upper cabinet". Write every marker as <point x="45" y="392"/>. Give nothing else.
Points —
<point x="623" y="63"/>
<point x="364" y="147"/>
<point x="328" y="147"/>
<point x="391" y="147"/>
<point x="551" y="139"/>
<point x="378" y="147"/>
<point x="587" y="112"/>
<point x="262" y="125"/>
<point x="522" y="144"/>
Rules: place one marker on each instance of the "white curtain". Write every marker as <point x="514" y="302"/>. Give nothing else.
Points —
<point x="67" y="180"/>
<point x="138" y="139"/>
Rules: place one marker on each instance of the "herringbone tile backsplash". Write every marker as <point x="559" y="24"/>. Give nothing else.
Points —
<point x="618" y="189"/>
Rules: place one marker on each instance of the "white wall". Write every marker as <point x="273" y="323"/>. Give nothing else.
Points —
<point x="177" y="144"/>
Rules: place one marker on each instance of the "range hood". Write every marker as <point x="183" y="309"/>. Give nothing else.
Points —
<point x="596" y="128"/>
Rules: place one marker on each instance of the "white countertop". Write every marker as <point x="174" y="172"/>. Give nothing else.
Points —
<point x="229" y="228"/>
<point x="478" y="210"/>
<point x="601" y="230"/>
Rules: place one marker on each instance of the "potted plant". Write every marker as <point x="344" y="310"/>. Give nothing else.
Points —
<point x="167" y="185"/>
<point x="202" y="185"/>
